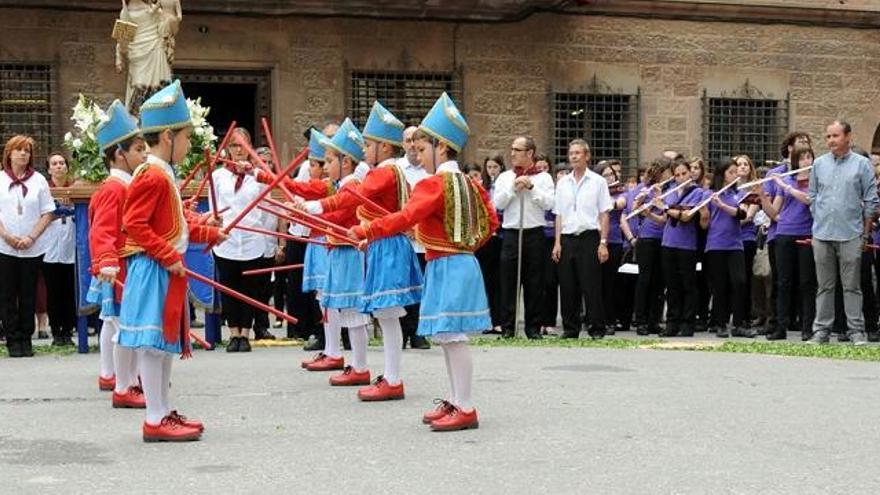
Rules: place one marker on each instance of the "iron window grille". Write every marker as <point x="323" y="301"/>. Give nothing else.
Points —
<point x="609" y="123"/>
<point x="27" y="94"/>
<point x="408" y="95"/>
<point x="746" y="123"/>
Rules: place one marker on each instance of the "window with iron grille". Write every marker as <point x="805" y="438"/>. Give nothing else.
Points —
<point x="408" y="95"/>
<point x="609" y="123"/>
<point x="27" y="94"/>
<point x="743" y="126"/>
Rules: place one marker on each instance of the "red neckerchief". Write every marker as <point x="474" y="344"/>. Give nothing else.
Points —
<point x="519" y="172"/>
<point x="19" y="182"/>
<point x="239" y="174"/>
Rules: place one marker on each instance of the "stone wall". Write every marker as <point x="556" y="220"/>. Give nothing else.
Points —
<point x="508" y="70"/>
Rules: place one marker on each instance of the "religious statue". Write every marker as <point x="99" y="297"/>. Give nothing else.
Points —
<point x="145" y="41"/>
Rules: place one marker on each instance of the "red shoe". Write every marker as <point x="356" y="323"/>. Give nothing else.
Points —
<point x="190" y="423"/>
<point x="170" y="430"/>
<point x="350" y="377"/>
<point x="326" y="363"/>
<point x="106" y="384"/>
<point x="317" y="357"/>
<point x="381" y="390"/>
<point x="444" y="407"/>
<point x="457" y="420"/>
<point x="132" y="398"/>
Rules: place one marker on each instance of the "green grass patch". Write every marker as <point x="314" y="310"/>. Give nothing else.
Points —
<point x="557" y="342"/>
<point x="40" y="350"/>
<point x="826" y="351"/>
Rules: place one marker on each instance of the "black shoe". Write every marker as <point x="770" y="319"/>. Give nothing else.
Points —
<point x="670" y="331"/>
<point x="262" y="334"/>
<point x="820" y="337"/>
<point x="842" y="337"/>
<point x="244" y="345"/>
<point x="806" y="335"/>
<point x="597" y="333"/>
<point x="719" y="331"/>
<point x="777" y="335"/>
<point x="743" y="332"/>
<point x="610" y="330"/>
<point x="508" y="334"/>
<point x="687" y="330"/>
<point x="534" y="334"/>
<point x="419" y="342"/>
<point x="233" y="344"/>
<point x="873" y="336"/>
<point x="313" y="344"/>
<point x="642" y="330"/>
<point x="701" y="326"/>
<point x="42" y="334"/>
<point x="13" y="349"/>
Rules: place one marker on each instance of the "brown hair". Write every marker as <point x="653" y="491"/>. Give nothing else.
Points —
<point x="799" y="151"/>
<point x="753" y="174"/>
<point x="789" y="140"/>
<point x="17" y="143"/>
<point x="421" y="135"/>
<point x="656" y="169"/>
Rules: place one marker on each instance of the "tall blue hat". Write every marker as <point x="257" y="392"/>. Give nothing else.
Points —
<point x="348" y="141"/>
<point x="445" y="123"/>
<point x="165" y="110"/>
<point x="317" y="145"/>
<point x="383" y="126"/>
<point x="118" y="127"/>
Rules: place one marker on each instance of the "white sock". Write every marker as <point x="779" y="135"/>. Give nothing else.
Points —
<point x="167" y="359"/>
<point x="108" y="331"/>
<point x="332" y="334"/>
<point x="453" y="398"/>
<point x="392" y="346"/>
<point x="151" y="376"/>
<point x="359" y="341"/>
<point x="462" y="367"/>
<point x="126" y="367"/>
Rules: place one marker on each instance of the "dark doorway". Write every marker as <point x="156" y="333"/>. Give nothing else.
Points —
<point x="242" y="96"/>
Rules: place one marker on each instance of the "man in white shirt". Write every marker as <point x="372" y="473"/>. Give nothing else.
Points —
<point x="414" y="172"/>
<point x="525" y="194"/>
<point x="582" y="206"/>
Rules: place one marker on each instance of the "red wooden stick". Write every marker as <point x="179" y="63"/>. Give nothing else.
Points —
<point x="365" y="200"/>
<point x="238" y="295"/>
<point x="308" y="216"/>
<point x="281" y="235"/>
<point x="280" y="268"/>
<point x="271" y="141"/>
<point x="305" y="223"/>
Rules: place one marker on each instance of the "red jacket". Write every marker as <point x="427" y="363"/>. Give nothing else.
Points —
<point x="106" y="237"/>
<point x="385" y="185"/>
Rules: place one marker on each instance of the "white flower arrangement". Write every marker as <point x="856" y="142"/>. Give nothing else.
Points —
<point x="86" y="160"/>
<point x="202" y="137"/>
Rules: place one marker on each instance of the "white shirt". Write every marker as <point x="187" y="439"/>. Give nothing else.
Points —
<point x="183" y="242"/>
<point x="450" y="166"/>
<point x="240" y="245"/>
<point x="361" y="170"/>
<point x="62" y="245"/>
<point x="413" y="173"/>
<point x="303" y="175"/>
<point x="37" y="203"/>
<point x="578" y="204"/>
<point x="537" y="200"/>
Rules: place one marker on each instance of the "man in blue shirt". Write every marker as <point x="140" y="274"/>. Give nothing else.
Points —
<point x="843" y="196"/>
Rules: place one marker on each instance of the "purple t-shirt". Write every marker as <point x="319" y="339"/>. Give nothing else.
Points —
<point x="749" y="230"/>
<point x="650" y="229"/>
<point x="724" y="230"/>
<point x="794" y="217"/>
<point x="771" y="190"/>
<point x="682" y="235"/>
<point x="634" y="222"/>
<point x="615" y="235"/>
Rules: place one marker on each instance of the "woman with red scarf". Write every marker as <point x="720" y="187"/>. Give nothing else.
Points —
<point x="25" y="210"/>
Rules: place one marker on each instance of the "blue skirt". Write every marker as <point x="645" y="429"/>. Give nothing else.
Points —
<point x="394" y="277"/>
<point x="104" y="295"/>
<point x="344" y="287"/>
<point x="454" y="300"/>
<point x="143" y="301"/>
<point x="314" y="268"/>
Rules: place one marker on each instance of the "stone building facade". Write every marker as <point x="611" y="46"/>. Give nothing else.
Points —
<point x="695" y="76"/>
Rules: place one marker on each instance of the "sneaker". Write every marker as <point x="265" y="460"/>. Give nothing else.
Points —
<point x="313" y="344"/>
<point x="858" y="338"/>
<point x="277" y="324"/>
<point x="820" y="337"/>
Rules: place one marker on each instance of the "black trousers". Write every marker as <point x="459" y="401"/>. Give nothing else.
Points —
<point x="264" y="293"/>
<point x="750" y="249"/>
<point x="869" y="297"/>
<point x="649" y="286"/>
<point x="680" y="270"/>
<point x="580" y="280"/>
<point x="612" y="286"/>
<point x="550" y="304"/>
<point x="627" y="290"/>
<point x="279" y="289"/>
<point x="301" y="305"/>
<point x="236" y="313"/>
<point x="18" y="290"/>
<point x="60" y="297"/>
<point x="409" y="322"/>
<point x="489" y="257"/>
<point x="727" y="278"/>
<point x="796" y="272"/>
<point x="533" y="268"/>
<point x="704" y="292"/>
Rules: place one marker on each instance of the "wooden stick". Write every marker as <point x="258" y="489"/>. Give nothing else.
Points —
<point x="770" y="177"/>
<point x="367" y="201"/>
<point x="280" y="268"/>
<point x="308" y="216"/>
<point x="314" y="226"/>
<point x="662" y="196"/>
<point x="281" y="235"/>
<point x="271" y="141"/>
<point x="709" y="199"/>
<point x="238" y="295"/>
